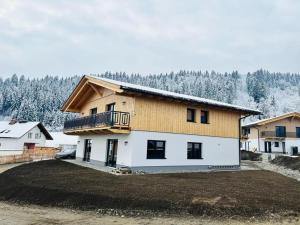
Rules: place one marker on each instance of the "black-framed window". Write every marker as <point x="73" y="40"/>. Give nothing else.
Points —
<point x="276" y="144"/>
<point x="110" y="107"/>
<point x="93" y="111"/>
<point x="190" y="115"/>
<point x="245" y="131"/>
<point x="298" y="132"/>
<point x="194" y="150"/>
<point x="156" y="149"/>
<point x="204" y="116"/>
<point x="280" y="131"/>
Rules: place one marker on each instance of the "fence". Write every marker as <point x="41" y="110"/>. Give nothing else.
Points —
<point x="36" y="154"/>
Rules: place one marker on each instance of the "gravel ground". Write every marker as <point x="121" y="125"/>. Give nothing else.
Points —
<point x="265" y="165"/>
<point x="12" y="214"/>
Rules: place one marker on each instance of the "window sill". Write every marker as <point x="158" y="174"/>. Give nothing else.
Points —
<point x="191" y="121"/>
<point x="195" y="159"/>
<point x="156" y="159"/>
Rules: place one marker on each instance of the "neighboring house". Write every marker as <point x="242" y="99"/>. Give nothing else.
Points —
<point x="18" y="136"/>
<point x="62" y="141"/>
<point x="123" y="124"/>
<point x="280" y="134"/>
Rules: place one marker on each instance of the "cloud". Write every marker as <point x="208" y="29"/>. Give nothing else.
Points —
<point x="75" y="37"/>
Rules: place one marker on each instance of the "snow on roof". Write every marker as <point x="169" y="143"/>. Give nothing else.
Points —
<point x="282" y="116"/>
<point x="135" y="87"/>
<point x="16" y="130"/>
<point x="59" y="138"/>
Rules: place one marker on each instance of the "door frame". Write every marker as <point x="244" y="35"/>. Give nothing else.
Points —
<point x="268" y="147"/>
<point x="114" y="153"/>
<point x="87" y="150"/>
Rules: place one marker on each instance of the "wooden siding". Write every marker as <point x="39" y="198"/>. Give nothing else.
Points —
<point x="152" y="114"/>
<point x="122" y="103"/>
<point x="289" y="123"/>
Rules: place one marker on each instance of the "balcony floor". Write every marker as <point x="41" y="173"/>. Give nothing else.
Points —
<point x="98" y="130"/>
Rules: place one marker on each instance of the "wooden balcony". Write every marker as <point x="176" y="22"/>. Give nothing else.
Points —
<point x="101" y="123"/>
<point x="273" y="135"/>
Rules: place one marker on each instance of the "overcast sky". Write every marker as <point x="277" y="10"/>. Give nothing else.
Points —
<point x="70" y="37"/>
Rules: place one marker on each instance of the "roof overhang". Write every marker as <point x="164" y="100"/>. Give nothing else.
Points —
<point x="291" y="115"/>
<point x="45" y="132"/>
<point x="84" y="88"/>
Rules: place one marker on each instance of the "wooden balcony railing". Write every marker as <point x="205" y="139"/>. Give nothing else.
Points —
<point x="104" y="119"/>
<point x="272" y="134"/>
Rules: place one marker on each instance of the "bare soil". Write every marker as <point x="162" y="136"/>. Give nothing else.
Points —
<point x="242" y="194"/>
<point x="12" y="214"/>
<point x="288" y="162"/>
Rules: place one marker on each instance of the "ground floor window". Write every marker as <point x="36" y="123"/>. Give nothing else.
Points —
<point x="194" y="150"/>
<point x="276" y="144"/>
<point x="156" y="149"/>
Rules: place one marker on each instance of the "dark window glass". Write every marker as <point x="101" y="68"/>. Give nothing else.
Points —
<point x="280" y="131"/>
<point x="156" y="149"/>
<point x="191" y="115"/>
<point x="110" y="107"/>
<point x="93" y="111"/>
<point x="194" y="150"/>
<point x="276" y="144"/>
<point x="298" y="132"/>
<point x="204" y="116"/>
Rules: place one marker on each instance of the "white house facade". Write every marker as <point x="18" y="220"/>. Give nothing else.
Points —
<point x="279" y="135"/>
<point x="15" y="137"/>
<point x="147" y="129"/>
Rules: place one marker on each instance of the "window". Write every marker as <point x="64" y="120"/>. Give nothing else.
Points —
<point x="298" y="132"/>
<point x="156" y="149"/>
<point x="191" y="115"/>
<point x="194" y="150"/>
<point x="280" y="131"/>
<point x="110" y="107"/>
<point x="245" y="131"/>
<point x="37" y="136"/>
<point x="29" y="135"/>
<point x="204" y="116"/>
<point x="93" y="111"/>
<point x="276" y="144"/>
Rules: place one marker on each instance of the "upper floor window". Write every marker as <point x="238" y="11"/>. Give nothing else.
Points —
<point x="204" y="116"/>
<point x="245" y="131"/>
<point x="280" y="131"/>
<point x="29" y="135"/>
<point x="191" y="115"/>
<point x="93" y="111"/>
<point x="298" y="132"/>
<point x="194" y="150"/>
<point x="110" y="107"/>
<point x="37" y="136"/>
<point x="156" y="149"/>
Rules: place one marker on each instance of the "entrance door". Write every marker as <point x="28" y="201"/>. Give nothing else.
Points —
<point x="112" y="150"/>
<point x="87" y="150"/>
<point x="295" y="150"/>
<point x="283" y="148"/>
<point x="268" y="146"/>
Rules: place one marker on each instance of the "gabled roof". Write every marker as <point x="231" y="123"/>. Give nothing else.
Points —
<point x="273" y="119"/>
<point x="19" y="129"/>
<point x="119" y="86"/>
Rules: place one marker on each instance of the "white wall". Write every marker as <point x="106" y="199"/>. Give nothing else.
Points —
<point x="99" y="148"/>
<point x="17" y="144"/>
<point x="215" y="150"/>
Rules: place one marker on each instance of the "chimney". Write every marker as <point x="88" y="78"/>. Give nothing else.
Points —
<point x="13" y="121"/>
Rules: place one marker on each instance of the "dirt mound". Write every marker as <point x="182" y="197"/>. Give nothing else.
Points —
<point x="221" y="194"/>
<point x="288" y="162"/>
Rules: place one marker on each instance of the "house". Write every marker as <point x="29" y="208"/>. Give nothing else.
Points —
<point x="279" y="134"/>
<point x="17" y="136"/>
<point x="62" y="141"/>
<point x="147" y="129"/>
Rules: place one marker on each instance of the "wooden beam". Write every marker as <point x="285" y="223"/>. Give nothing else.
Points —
<point x="96" y="89"/>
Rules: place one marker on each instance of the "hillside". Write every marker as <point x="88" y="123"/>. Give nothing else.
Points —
<point x="41" y="99"/>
